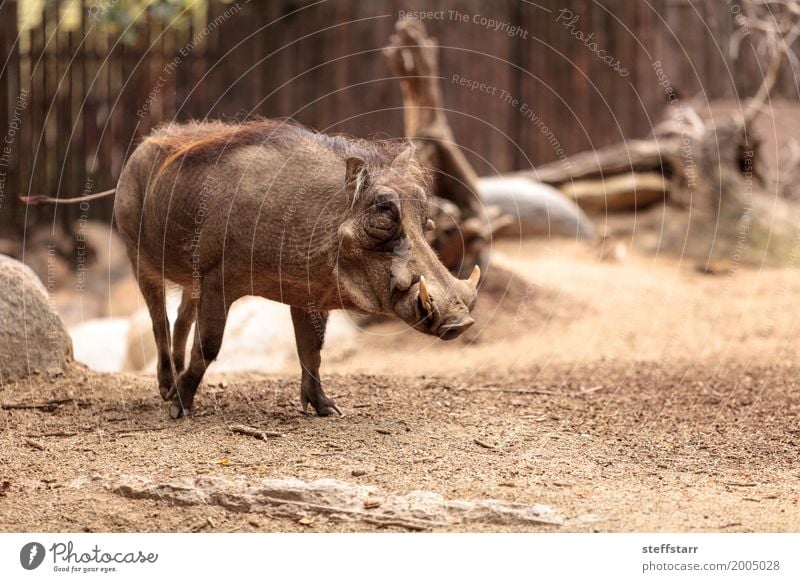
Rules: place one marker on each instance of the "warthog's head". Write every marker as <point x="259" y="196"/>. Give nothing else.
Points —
<point x="385" y="265"/>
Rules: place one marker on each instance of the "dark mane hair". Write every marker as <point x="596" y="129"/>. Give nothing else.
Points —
<point x="209" y="140"/>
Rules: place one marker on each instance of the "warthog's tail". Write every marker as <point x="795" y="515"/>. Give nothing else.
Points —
<point x="39" y="199"/>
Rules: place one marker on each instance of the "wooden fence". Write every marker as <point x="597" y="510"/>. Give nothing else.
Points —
<point x="75" y="101"/>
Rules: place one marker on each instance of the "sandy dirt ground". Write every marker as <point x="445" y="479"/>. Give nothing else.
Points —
<point x="636" y="395"/>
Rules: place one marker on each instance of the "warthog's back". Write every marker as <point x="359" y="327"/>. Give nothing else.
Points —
<point x="262" y="197"/>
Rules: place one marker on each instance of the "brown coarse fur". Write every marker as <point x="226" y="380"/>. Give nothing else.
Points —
<point x="271" y="208"/>
<point x="195" y="142"/>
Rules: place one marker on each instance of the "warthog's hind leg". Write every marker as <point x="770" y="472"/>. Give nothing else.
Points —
<point x="309" y="332"/>
<point x="211" y="315"/>
<point x="152" y="288"/>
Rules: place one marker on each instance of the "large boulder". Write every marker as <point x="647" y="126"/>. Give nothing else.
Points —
<point x="32" y="337"/>
<point x="537" y="209"/>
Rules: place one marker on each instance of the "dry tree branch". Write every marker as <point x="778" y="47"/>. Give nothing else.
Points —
<point x="779" y="23"/>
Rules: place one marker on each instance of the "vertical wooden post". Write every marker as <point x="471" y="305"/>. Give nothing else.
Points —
<point x="10" y="92"/>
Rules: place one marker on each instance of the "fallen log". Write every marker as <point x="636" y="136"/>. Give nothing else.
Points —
<point x="632" y="156"/>
<point x="620" y="193"/>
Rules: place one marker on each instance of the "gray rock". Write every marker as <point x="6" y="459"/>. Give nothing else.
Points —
<point x="540" y="209"/>
<point x="32" y="337"/>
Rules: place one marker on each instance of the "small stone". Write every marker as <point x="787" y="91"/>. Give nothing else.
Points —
<point x="358" y="472"/>
<point x="372" y="503"/>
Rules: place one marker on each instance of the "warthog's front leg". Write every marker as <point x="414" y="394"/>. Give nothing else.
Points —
<point x="309" y="333"/>
<point x="211" y="316"/>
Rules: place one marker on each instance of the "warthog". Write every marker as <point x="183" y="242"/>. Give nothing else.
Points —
<point x="273" y="209"/>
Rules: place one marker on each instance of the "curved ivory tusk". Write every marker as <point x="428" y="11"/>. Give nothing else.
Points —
<point x="475" y="277"/>
<point x="423" y="295"/>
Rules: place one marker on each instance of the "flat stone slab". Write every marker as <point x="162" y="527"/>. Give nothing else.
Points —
<point x="297" y="499"/>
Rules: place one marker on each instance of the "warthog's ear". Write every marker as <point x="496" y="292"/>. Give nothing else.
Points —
<point x="356" y="176"/>
<point x="404" y="158"/>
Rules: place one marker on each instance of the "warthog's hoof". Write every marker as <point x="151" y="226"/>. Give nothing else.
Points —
<point x="325" y="407"/>
<point x="167" y="392"/>
<point x="177" y="411"/>
<point x="331" y="410"/>
<point x="314" y="396"/>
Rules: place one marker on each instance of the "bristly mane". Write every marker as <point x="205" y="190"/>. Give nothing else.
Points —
<point x="210" y="140"/>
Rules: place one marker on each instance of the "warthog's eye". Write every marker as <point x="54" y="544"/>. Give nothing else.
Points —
<point x="389" y="207"/>
<point x="382" y="223"/>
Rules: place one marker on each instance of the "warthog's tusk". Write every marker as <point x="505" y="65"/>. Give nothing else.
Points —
<point x="475" y="277"/>
<point x="423" y="295"/>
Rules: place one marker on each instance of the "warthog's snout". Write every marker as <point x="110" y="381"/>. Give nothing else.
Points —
<point x="440" y="309"/>
<point x="448" y="331"/>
